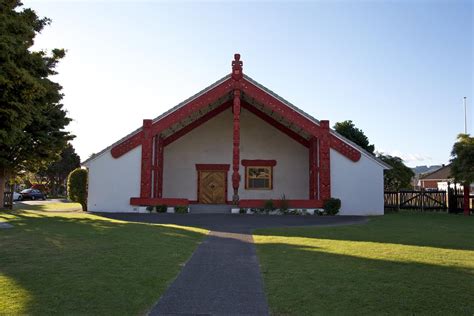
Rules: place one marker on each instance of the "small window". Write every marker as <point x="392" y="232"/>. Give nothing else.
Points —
<point x="259" y="178"/>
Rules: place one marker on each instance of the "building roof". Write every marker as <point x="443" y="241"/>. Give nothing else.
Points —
<point x="224" y="83"/>
<point x="159" y="117"/>
<point x="443" y="173"/>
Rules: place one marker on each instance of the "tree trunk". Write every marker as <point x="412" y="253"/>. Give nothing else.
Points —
<point x="2" y="186"/>
<point x="467" y="188"/>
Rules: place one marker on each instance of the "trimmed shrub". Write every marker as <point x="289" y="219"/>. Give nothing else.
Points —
<point x="161" y="208"/>
<point x="150" y="208"/>
<point x="269" y="206"/>
<point x="77" y="187"/>
<point x="242" y="211"/>
<point x="284" y="205"/>
<point x="332" y="206"/>
<point x="181" y="209"/>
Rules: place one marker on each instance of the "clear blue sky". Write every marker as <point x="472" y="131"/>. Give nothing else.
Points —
<point x="398" y="69"/>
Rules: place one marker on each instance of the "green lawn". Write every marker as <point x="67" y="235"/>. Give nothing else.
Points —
<point x="77" y="263"/>
<point x="55" y="206"/>
<point x="396" y="264"/>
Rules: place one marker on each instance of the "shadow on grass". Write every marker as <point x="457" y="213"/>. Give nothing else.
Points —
<point x="425" y="229"/>
<point x="82" y="264"/>
<point x="301" y="280"/>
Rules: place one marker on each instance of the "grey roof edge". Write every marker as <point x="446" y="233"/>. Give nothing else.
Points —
<point x="159" y="117"/>
<point x="314" y="120"/>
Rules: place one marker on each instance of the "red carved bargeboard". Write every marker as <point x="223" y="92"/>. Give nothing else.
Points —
<point x="193" y="106"/>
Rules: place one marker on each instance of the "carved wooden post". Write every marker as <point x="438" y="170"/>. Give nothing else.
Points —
<point x="158" y="167"/>
<point x="467" y="189"/>
<point x="147" y="147"/>
<point x="324" y="162"/>
<point x="313" y="168"/>
<point x="236" y="77"/>
<point x="236" y="148"/>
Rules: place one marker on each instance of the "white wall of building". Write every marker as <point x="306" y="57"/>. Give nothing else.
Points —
<point x="112" y="182"/>
<point x="211" y="143"/>
<point x="359" y="185"/>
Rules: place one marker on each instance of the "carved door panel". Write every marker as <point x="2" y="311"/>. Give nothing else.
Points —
<point x="212" y="187"/>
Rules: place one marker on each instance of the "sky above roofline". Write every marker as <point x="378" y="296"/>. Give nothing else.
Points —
<point x="398" y="69"/>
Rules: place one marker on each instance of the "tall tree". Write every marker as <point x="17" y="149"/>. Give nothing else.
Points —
<point x="57" y="171"/>
<point x="399" y="177"/>
<point x="462" y="165"/>
<point x="32" y="118"/>
<point x="352" y="133"/>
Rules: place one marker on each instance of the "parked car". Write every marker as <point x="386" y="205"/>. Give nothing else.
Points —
<point x="16" y="196"/>
<point x="32" y="194"/>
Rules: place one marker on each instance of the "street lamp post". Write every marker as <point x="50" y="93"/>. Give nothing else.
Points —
<point x="465" y="116"/>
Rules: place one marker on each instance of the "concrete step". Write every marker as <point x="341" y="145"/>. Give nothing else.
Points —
<point x="209" y="208"/>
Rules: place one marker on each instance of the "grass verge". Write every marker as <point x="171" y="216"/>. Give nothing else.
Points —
<point x="396" y="264"/>
<point x="78" y="263"/>
<point x="49" y="207"/>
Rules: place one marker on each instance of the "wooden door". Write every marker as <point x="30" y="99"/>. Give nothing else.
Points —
<point x="212" y="187"/>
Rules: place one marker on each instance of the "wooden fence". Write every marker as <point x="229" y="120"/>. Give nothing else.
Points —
<point x="452" y="201"/>
<point x="420" y="200"/>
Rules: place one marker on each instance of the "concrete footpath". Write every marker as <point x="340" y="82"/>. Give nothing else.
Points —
<point x="221" y="278"/>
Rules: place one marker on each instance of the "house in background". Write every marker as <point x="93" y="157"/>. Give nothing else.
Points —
<point x="235" y="143"/>
<point x="436" y="180"/>
<point x="439" y="180"/>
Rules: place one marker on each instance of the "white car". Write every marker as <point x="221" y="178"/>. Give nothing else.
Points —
<point x="17" y="196"/>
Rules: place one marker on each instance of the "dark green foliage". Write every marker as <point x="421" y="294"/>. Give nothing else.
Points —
<point x="242" y="211"/>
<point x="284" y="205"/>
<point x="77" y="187"/>
<point x="181" y="209"/>
<point x="397" y="178"/>
<point x="57" y="172"/>
<point x="269" y="206"/>
<point x="354" y="134"/>
<point x="332" y="206"/>
<point x="150" y="208"/>
<point x="32" y="118"/>
<point x="161" y="208"/>
<point x="462" y="163"/>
